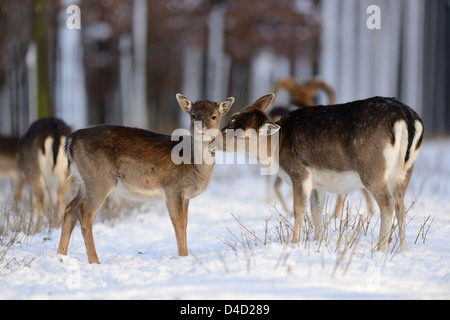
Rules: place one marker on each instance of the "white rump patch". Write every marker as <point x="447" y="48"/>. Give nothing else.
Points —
<point x="413" y="154"/>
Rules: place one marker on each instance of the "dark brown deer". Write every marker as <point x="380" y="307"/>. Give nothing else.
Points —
<point x="43" y="165"/>
<point x="370" y="144"/>
<point x="138" y="164"/>
<point x="303" y="95"/>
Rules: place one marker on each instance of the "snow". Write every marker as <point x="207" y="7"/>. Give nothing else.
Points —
<point x="138" y="250"/>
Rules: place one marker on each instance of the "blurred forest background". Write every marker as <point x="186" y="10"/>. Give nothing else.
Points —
<point x="130" y="57"/>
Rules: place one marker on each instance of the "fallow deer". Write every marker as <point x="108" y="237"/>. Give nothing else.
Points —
<point x="370" y="144"/>
<point x="43" y="165"/>
<point x="8" y="151"/>
<point x="138" y="164"/>
<point x="8" y="163"/>
<point x="303" y="95"/>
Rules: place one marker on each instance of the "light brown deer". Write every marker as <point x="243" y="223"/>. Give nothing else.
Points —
<point x="8" y="163"/>
<point x="370" y="144"/>
<point x="43" y="165"/>
<point x="302" y="95"/>
<point x="8" y="151"/>
<point x="138" y="164"/>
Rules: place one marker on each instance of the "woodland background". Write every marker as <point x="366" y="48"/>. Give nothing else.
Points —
<point x="130" y="57"/>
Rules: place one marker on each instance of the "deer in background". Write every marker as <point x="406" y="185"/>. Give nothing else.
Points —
<point x="43" y="165"/>
<point x="370" y="144"/>
<point x="8" y="151"/>
<point x="8" y="163"/>
<point x="138" y="164"/>
<point x="302" y="95"/>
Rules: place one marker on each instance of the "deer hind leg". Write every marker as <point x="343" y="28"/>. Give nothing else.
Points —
<point x="178" y="210"/>
<point x="399" y="193"/>
<point x="386" y="201"/>
<point x="70" y="219"/>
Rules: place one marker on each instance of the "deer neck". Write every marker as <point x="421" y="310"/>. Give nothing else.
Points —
<point x="201" y="157"/>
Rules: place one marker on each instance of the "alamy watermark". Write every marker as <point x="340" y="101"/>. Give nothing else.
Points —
<point x="374" y="21"/>
<point x="74" y="20"/>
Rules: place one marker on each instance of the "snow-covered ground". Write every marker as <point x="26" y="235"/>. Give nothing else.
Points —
<point x="138" y="252"/>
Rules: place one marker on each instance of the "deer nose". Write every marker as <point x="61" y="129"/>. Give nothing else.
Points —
<point x="199" y="127"/>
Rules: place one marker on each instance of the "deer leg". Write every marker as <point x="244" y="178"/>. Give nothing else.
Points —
<point x="40" y="199"/>
<point x="277" y="186"/>
<point x="385" y="201"/>
<point x="63" y="187"/>
<point x="368" y="201"/>
<point x="70" y="219"/>
<point x="268" y="188"/>
<point x="317" y="200"/>
<point x="302" y="193"/>
<point x="178" y="210"/>
<point x="339" y="205"/>
<point x="91" y="203"/>
<point x="399" y="193"/>
<point x="19" y="188"/>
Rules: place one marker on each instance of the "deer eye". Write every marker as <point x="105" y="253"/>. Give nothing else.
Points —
<point x="192" y="116"/>
<point x="214" y="117"/>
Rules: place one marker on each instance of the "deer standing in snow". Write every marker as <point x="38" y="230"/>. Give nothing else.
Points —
<point x="370" y="144"/>
<point x="8" y="163"/>
<point x="43" y="165"/>
<point x="138" y="164"/>
<point x="302" y="95"/>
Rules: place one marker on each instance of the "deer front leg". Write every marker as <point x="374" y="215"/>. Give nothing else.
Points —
<point x="86" y="217"/>
<point x="178" y="210"/>
<point x="94" y="198"/>
<point x="302" y="191"/>
<point x="368" y="201"/>
<point x="317" y="200"/>
<point x="277" y="186"/>
<point x="339" y="205"/>
<point x="70" y="219"/>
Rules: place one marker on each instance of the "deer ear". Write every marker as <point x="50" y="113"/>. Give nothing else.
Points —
<point x="263" y="102"/>
<point x="268" y="129"/>
<point x="184" y="103"/>
<point x="225" y="105"/>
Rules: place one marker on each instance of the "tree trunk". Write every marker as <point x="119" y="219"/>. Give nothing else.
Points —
<point x="39" y="30"/>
